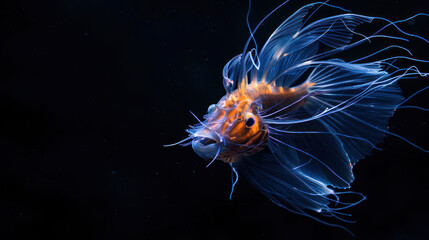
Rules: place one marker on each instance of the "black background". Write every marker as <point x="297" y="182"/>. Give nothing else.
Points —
<point x="91" y="90"/>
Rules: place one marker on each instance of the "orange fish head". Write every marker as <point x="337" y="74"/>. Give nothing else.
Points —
<point x="231" y="128"/>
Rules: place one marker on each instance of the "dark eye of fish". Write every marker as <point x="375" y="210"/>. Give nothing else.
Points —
<point x="250" y="121"/>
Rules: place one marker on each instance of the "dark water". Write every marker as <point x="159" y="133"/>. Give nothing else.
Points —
<point x="91" y="90"/>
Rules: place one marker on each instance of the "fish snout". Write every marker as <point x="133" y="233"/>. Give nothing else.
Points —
<point x="206" y="147"/>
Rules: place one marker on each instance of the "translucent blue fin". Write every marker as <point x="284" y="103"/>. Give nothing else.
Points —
<point x="290" y="45"/>
<point x="291" y="188"/>
<point x="272" y="56"/>
<point x="334" y="32"/>
<point x="230" y="74"/>
<point x="236" y="70"/>
<point x="281" y="185"/>
<point x="339" y="122"/>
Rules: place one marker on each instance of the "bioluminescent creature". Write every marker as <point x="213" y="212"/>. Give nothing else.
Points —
<point x="296" y="119"/>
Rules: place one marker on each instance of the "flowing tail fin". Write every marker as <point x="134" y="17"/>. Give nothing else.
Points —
<point x="346" y="114"/>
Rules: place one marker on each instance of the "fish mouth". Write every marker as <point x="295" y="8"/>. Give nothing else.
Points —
<point x="205" y="147"/>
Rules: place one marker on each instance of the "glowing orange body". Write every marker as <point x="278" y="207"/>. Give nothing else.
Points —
<point x="228" y="118"/>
